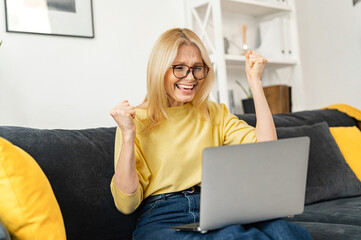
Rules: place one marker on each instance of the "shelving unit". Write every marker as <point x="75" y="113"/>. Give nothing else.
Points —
<point x="213" y="20"/>
<point x="236" y="60"/>
<point x="254" y="7"/>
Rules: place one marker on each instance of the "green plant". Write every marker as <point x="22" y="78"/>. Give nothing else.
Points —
<point x="247" y="92"/>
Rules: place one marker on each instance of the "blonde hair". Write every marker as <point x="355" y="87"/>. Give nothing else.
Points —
<point x="162" y="56"/>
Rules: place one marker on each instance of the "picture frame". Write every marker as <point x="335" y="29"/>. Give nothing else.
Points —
<point x="72" y="18"/>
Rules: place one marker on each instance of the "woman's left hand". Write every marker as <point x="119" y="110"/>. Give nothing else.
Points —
<point x="255" y="64"/>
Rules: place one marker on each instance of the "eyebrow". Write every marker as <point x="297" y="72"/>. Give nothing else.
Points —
<point x="183" y="63"/>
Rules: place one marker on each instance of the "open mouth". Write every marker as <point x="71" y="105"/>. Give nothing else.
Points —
<point x="185" y="87"/>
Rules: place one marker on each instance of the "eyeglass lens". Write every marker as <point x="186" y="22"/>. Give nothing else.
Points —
<point x="182" y="71"/>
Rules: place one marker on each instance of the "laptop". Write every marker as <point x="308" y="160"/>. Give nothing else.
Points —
<point x="249" y="183"/>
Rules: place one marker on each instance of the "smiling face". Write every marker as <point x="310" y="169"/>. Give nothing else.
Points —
<point x="181" y="91"/>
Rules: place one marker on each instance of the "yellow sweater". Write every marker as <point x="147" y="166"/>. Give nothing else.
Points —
<point x="170" y="158"/>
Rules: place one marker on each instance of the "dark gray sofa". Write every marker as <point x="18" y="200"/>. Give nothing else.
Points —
<point x="79" y="166"/>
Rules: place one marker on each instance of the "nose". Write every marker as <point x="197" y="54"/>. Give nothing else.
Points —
<point x="190" y="76"/>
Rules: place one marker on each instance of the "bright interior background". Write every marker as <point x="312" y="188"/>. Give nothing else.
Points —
<point x="72" y="83"/>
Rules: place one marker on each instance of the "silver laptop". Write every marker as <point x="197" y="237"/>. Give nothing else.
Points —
<point x="249" y="183"/>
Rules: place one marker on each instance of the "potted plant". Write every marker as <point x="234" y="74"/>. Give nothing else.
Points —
<point x="248" y="104"/>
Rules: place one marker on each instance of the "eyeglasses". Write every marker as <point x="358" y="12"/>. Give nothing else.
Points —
<point x="182" y="71"/>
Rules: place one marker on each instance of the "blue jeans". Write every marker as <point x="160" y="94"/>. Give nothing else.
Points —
<point x="156" y="218"/>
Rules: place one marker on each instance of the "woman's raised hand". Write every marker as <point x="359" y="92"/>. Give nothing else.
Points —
<point x="124" y="115"/>
<point x="255" y="64"/>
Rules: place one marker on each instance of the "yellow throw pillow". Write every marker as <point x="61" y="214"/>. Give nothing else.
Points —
<point x="28" y="207"/>
<point x="348" y="140"/>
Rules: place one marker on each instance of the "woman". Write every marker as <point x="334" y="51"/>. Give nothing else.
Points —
<point x="159" y="144"/>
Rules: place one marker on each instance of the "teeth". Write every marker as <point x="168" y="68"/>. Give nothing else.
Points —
<point x="186" y="86"/>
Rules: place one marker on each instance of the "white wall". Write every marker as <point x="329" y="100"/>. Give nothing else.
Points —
<point x="69" y="82"/>
<point x="330" y="51"/>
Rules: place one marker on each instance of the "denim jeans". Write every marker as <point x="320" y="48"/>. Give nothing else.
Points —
<point x="156" y="218"/>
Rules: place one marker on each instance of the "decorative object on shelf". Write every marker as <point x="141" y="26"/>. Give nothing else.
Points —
<point x="239" y="48"/>
<point x="248" y="104"/>
<point x="232" y="106"/>
<point x="248" y="92"/>
<point x="226" y="45"/>
<point x="244" y="37"/>
<point x="278" y="98"/>
<point x="50" y="17"/>
<point x="355" y="2"/>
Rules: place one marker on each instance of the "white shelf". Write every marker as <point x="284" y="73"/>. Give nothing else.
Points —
<point x="236" y="60"/>
<point x="215" y="19"/>
<point x="254" y="7"/>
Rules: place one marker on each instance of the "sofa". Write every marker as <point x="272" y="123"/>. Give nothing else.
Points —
<point x="79" y="166"/>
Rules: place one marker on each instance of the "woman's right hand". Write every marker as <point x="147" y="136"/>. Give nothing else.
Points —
<point x="124" y="115"/>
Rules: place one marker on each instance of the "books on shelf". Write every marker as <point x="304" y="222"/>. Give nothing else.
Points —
<point x="275" y="38"/>
<point x="287" y="37"/>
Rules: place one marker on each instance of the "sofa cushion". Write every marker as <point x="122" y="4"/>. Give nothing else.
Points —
<point x="329" y="176"/>
<point x="349" y="110"/>
<point x="345" y="211"/>
<point x="28" y="207"/>
<point x="348" y="140"/>
<point x="332" y="117"/>
<point x="4" y="234"/>
<point x="79" y="165"/>
<point x="329" y="231"/>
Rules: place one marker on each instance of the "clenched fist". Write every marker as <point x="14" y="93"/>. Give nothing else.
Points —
<point x="124" y="115"/>
<point x="255" y="64"/>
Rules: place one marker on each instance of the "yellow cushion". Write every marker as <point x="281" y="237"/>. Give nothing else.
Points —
<point x="28" y="207"/>
<point x="348" y="140"/>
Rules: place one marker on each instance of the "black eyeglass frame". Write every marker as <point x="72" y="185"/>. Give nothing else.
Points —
<point x="189" y="70"/>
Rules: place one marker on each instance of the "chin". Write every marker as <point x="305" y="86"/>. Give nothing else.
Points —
<point x="185" y="99"/>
